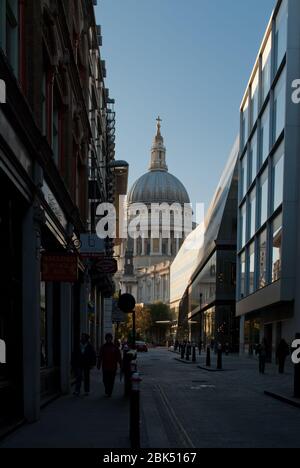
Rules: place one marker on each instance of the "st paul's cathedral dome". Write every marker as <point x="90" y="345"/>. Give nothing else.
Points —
<point x="158" y="185"/>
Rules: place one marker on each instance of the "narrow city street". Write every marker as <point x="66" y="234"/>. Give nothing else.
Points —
<point x="186" y="407"/>
<point x="182" y="406"/>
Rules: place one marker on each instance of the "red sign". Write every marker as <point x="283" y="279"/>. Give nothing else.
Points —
<point x="108" y="266"/>
<point x="60" y="268"/>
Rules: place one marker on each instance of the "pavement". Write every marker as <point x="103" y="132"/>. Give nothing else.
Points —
<point x="85" y="422"/>
<point x="182" y="406"/>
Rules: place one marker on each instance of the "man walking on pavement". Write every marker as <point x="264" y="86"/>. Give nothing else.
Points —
<point x="83" y="359"/>
<point x="109" y="358"/>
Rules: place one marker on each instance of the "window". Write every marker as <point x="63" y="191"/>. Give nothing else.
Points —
<point x="156" y="248"/>
<point x="265" y="135"/>
<point x="281" y="34"/>
<point x="276" y="248"/>
<point x="263" y="197"/>
<point x="278" y="168"/>
<point x="243" y="226"/>
<point x="244" y="176"/>
<point x="11" y="33"/>
<point x="253" y="158"/>
<point x="243" y="275"/>
<point x="245" y="123"/>
<point x="266" y="69"/>
<point x="55" y="135"/>
<point x="263" y="260"/>
<point x="44" y="104"/>
<point x="252" y="213"/>
<point x="252" y="268"/>
<point x="279" y="105"/>
<point x="254" y="98"/>
<point x="165" y="246"/>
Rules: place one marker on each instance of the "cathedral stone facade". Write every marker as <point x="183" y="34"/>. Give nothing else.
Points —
<point x="145" y="262"/>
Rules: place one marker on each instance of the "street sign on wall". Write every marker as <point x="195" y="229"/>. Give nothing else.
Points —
<point x="91" y="246"/>
<point x="60" y="268"/>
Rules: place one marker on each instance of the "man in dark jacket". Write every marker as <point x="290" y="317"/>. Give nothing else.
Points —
<point x="83" y="359"/>
<point x="109" y="358"/>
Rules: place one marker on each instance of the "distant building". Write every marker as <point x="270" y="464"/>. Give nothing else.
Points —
<point x="144" y="264"/>
<point x="203" y="279"/>
<point x="268" y="294"/>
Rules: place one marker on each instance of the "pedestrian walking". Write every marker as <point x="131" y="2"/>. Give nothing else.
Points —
<point x="262" y="355"/>
<point x="83" y="360"/>
<point x="283" y="351"/>
<point x="109" y="358"/>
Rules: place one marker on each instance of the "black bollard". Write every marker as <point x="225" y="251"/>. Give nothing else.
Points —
<point x="182" y="352"/>
<point x="208" y="358"/>
<point x="188" y="353"/>
<point x="194" y="353"/>
<point x="135" y="421"/>
<point x="220" y="358"/>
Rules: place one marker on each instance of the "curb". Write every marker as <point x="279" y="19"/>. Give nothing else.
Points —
<point x="209" y="369"/>
<point x="283" y="399"/>
<point x="184" y="361"/>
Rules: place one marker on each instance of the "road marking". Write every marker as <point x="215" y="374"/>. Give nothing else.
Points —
<point x="182" y="432"/>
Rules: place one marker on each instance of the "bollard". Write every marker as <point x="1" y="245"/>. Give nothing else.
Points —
<point x="135" y="422"/>
<point x="200" y="349"/>
<point x="208" y="358"/>
<point x="182" y="352"/>
<point x="220" y="358"/>
<point x="187" y="353"/>
<point x="194" y="354"/>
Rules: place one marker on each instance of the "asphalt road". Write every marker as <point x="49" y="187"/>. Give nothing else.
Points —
<point x="186" y="407"/>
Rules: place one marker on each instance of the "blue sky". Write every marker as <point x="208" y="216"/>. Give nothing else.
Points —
<point x="188" y="61"/>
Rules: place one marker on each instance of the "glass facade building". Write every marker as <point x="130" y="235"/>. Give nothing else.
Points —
<point x="268" y="187"/>
<point x="203" y="280"/>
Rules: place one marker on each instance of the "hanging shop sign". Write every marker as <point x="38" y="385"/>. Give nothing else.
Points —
<point x="60" y="268"/>
<point x="107" y="265"/>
